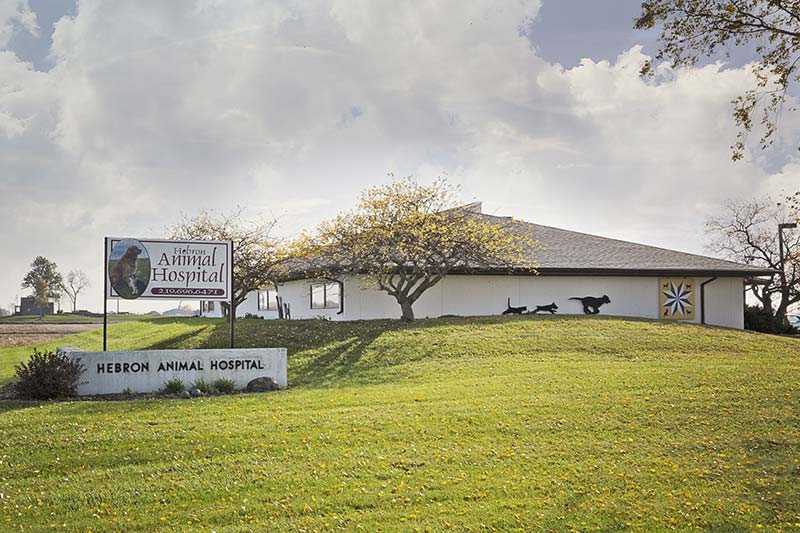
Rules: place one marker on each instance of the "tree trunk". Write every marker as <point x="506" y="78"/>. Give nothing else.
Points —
<point x="406" y="306"/>
<point x="764" y="298"/>
<point x="780" y="312"/>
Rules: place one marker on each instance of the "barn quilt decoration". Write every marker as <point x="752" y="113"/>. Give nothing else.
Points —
<point x="677" y="298"/>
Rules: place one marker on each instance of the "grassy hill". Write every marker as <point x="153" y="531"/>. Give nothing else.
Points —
<point x="527" y="423"/>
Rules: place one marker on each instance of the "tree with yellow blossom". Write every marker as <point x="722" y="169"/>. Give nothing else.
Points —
<point x="405" y="237"/>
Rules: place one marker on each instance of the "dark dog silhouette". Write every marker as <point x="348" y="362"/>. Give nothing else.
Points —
<point x="514" y="310"/>
<point x="552" y="308"/>
<point x="591" y="304"/>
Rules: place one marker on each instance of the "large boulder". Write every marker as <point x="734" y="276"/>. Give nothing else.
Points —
<point x="262" y="384"/>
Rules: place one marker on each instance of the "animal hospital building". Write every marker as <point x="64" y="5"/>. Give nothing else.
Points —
<point x="626" y="278"/>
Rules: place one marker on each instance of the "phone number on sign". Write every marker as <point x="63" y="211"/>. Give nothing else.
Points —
<point x="169" y="291"/>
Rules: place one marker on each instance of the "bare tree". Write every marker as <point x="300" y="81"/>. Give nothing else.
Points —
<point x="793" y="204"/>
<point x="75" y="282"/>
<point x="256" y="251"/>
<point x="747" y="231"/>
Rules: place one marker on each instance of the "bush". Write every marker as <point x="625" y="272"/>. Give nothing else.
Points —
<point x="251" y="315"/>
<point x="48" y="375"/>
<point x="173" y="386"/>
<point x="204" y="386"/>
<point x="225" y="386"/>
<point x="762" y="320"/>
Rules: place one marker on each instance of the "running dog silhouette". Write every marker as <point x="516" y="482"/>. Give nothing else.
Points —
<point x="514" y="310"/>
<point x="546" y="309"/>
<point x="591" y="304"/>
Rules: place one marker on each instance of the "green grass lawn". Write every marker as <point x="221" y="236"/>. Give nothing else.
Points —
<point x="529" y="423"/>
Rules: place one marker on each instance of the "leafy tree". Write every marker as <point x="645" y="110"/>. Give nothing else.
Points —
<point x="75" y="282"/>
<point x="41" y="294"/>
<point x="44" y="271"/>
<point x="691" y="29"/>
<point x="256" y="252"/>
<point x="405" y="237"/>
<point x="748" y="232"/>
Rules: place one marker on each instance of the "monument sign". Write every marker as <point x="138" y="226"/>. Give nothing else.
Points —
<point x="151" y="269"/>
<point x="148" y="370"/>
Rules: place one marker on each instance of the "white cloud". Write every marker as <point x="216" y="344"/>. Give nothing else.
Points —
<point x="16" y="15"/>
<point x="641" y="160"/>
<point x="155" y="108"/>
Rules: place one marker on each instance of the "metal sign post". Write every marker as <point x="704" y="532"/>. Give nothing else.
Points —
<point x="232" y="309"/>
<point x="105" y="292"/>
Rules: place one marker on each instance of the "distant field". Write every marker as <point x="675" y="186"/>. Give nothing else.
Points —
<point x="14" y="334"/>
<point x="67" y="318"/>
<point x="26" y="330"/>
<point x="523" y="423"/>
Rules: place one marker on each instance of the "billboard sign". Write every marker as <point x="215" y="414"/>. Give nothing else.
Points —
<point x="168" y="270"/>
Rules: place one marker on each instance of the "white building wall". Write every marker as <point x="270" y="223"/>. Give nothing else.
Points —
<point x="725" y="303"/>
<point x="631" y="296"/>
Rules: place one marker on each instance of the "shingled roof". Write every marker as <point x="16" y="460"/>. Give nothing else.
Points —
<point x="571" y="253"/>
<point x="567" y="252"/>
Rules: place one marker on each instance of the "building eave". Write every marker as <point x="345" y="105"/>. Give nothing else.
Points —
<point x="616" y="272"/>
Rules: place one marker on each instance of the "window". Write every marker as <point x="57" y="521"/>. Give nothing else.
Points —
<point x="206" y="307"/>
<point x="326" y="295"/>
<point x="267" y="300"/>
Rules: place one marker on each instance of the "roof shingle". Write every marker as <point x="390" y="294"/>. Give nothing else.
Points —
<point x="570" y="252"/>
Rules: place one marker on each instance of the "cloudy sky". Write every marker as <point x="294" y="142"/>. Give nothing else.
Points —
<point x="118" y="116"/>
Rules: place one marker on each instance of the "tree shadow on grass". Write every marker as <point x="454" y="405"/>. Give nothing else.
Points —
<point x="335" y="363"/>
<point x="326" y="353"/>
<point x="180" y="342"/>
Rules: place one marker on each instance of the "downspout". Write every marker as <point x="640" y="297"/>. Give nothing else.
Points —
<point x="703" y="299"/>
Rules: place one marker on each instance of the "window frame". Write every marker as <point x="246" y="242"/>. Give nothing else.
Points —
<point x="325" y="306"/>
<point x="267" y="291"/>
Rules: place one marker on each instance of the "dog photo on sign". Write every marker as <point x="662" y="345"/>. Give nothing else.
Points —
<point x="129" y="269"/>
